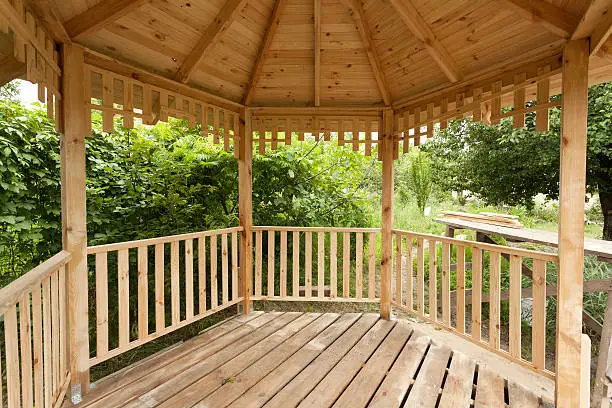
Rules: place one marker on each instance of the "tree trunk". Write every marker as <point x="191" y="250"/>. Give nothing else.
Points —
<point x="605" y="198"/>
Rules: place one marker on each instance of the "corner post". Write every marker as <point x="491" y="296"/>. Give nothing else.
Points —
<point x="245" y="204"/>
<point x="387" y="214"/>
<point x="572" y="181"/>
<point x="74" y="213"/>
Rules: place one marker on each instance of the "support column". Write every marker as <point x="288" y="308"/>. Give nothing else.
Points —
<point x="245" y="203"/>
<point x="572" y="182"/>
<point x="387" y="215"/>
<point x="74" y="213"/>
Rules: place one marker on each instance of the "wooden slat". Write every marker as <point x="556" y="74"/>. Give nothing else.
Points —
<point x="214" y="279"/>
<point x="445" y="278"/>
<point x="175" y="295"/>
<point x="57" y="380"/>
<point x="101" y="303"/>
<point x="538" y="333"/>
<point x="25" y="337"/>
<point x="11" y="343"/>
<point x="189" y="313"/>
<point x="271" y="262"/>
<point x="320" y="264"/>
<point x="123" y="263"/>
<point x="372" y="266"/>
<point x="37" y="335"/>
<point x="425" y="390"/>
<point x="308" y="265"/>
<point x="202" y="274"/>
<point x="433" y="283"/>
<point x="333" y="264"/>
<point x="296" y="264"/>
<point x="143" y="292"/>
<point x="160" y="308"/>
<point x="283" y="263"/>
<point x="489" y="389"/>
<point x="359" y="265"/>
<point x="520" y="396"/>
<point x="258" y="262"/>
<point x="515" y="306"/>
<point x="457" y="390"/>
<point x="460" y="289"/>
<point x="317" y="52"/>
<point x="519" y="101"/>
<point x="47" y="339"/>
<point x="346" y="264"/>
<point x="543" y="97"/>
<point x="476" y="293"/>
<point x="398" y="269"/>
<point x="494" y="296"/>
<point x="420" y="284"/>
<point x="235" y="293"/>
<point x="224" y="270"/>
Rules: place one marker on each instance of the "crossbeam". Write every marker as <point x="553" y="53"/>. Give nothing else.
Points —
<point x="553" y="18"/>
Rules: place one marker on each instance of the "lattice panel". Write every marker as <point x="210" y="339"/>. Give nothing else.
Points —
<point x="117" y="95"/>
<point x="270" y="131"/>
<point x="37" y="50"/>
<point x="485" y="102"/>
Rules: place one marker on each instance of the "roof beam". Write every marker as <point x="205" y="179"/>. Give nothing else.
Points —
<point x="423" y="33"/>
<point x="317" y="52"/>
<point x="553" y="18"/>
<point x="267" y="40"/>
<point x="47" y="14"/>
<point x="596" y="23"/>
<point x="361" y="22"/>
<point x="221" y="22"/>
<point x="99" y="16"/>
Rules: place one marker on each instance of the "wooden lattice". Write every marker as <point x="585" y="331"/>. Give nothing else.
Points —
<point x="37" y="50"/>
<point x="117" y="95"/>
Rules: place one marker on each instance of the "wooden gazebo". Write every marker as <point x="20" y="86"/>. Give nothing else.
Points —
<point x="377" y="75"/>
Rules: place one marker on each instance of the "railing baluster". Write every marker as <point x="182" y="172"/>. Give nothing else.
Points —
<point x="476" y="294"/>
<point x="54" y="335"/>
<point x="189" y="300"/>
<point x="11" y="339"/>
<point x="123" y="262"/>
<point x="320" y="264"/>
<point x="516" y="263"/>
<point x="143" y="292"/>
<point x="37" y="328"/>
<point x="175" y="288"/>
<point x="64" y="357"/>
<point x="460" y="289"/>
<point x="101" y="303"/>
<point x="271" y="262"/>
<point x="359" y="265"/>
<point x="47" y="357"/>
<point x="433" y="281"/>
<point x="235" y="293"/>
<point x="409" y="275"/>
<point x="308" y="279"/>
<point x="283" y="263"/>
<point x="202" y="274"/>
<point x="224" y="270"/>
<point x="538" y="332"/>
<point x="214" y="292"/>
<point x="494" y="299"/>
<point x="398" y="269"/>
<point x="445" y="277"/>
<point x="160" y="302"/>
<point x="296" y="264"/>
<point x="346" y="264"/>
<point x="420" y="276"/>
<point x="25" y="336"/>
<point x="372" y="266"/>
<point x="333" y="264"/>
<point x="1" y="385"/>
<point x="258" y="262"/>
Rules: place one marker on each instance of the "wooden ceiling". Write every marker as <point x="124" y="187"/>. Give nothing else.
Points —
<point x="324" y="52"/>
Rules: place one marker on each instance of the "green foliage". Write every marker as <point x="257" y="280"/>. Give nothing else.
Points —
<point x="9" y="91"/>
<point x="418" y="179"/>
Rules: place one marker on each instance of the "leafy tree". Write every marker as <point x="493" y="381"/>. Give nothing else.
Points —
<point x="510" y="166"/>
<point x="415" y="177"/>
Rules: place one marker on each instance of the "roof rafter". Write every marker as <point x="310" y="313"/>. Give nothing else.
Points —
<point x="595" y="23"/>
<point x="265" y="45"/>
<point x="226" y="16"/>
<point x="317" y="52"/>
<point x="46" y="11"/>
<point x="553" y="18"/>
<point x="423" y="33"/>
<point x="99" y="16"/>
<point x="366" y="37"/>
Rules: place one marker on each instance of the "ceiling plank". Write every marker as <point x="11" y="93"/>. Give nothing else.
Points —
<point x="423" y="33"/>
<point x="596" y="23"/>
<point x="268" y="36"/>
<point x="317" y="52"/>
<point x="553" y="18"/>
<point x="99" y="16"/>
<point x="221" y="22"/>
<point x="47" y="14"/>
<point x="361" y="22"/>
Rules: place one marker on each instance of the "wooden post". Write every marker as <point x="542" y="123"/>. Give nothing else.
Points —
<point x="387" y="214"/>
<point x="74" y="213"/>
<point x="245" y="186"/>
<point x="572" y="181"/>
<point x="599" y="397"/>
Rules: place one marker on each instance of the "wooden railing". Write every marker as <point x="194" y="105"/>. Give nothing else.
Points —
<point x="202" y="272"/>
<point x="316" y="264"/>
<point x="474" y="277"/>
<point x="33" y="309"/>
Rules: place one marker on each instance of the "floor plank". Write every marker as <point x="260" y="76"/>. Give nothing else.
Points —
<point x="490" y="389"/>
<point x="458" y="387"/>
<point x="306" y="381"/>
<point x="265" y="389"/>
<point x="424" y="392"/>
<point x="365" y="384"/>
<point x="332" y="386"/>
<point x="393" y="389"/>
<point x="520" y="397"/>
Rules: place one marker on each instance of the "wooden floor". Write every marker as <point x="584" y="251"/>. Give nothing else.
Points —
<point x="309" y="360"/>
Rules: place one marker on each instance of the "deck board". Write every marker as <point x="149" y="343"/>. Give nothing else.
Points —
<point x="309" y="360"/>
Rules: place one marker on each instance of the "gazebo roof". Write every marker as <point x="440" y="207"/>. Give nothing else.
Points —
<point x="327" y="52"/>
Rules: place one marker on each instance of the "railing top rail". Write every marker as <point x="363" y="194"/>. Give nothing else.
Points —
<point x="544" y="256"/>
<point x="11" y="294"/>
<point x="160" y="240"/>
<point x="314" y="229"/>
